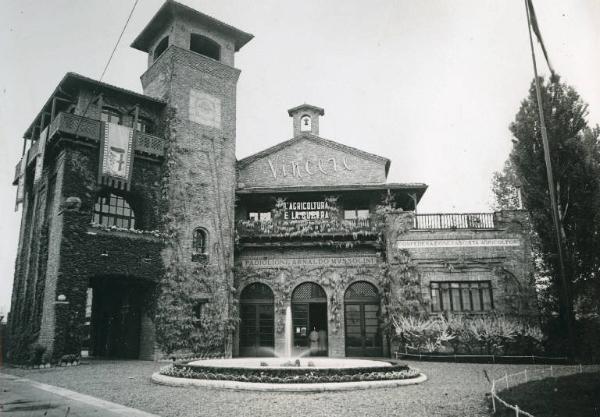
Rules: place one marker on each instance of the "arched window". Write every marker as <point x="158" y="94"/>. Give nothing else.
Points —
<point x="199" y="245"/>
<point x="362" y="315"/>
<point x="160" y="48"/>
<point x="309" y="292"/>
<point x="257" y="292"/>
<point x="113" y="210"/>
<point x="305" y="123"/>
<point x="257" y="321"/>
<point x="110" y="115"/>
<point x="205" y="46"/>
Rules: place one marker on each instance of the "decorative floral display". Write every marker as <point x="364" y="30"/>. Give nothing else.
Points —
<point x="309" y="375"/>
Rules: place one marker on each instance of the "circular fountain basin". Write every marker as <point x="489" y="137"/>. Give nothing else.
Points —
<point x="283" y="374"/>
<point x="305" y="363"/>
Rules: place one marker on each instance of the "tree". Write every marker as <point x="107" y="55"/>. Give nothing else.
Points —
<point x="506" y="188"/>
<point x="575" y="159"/>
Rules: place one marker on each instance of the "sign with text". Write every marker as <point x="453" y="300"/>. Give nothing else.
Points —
<point x="301" y="210"/>
<point x="455" y="243"/>
<point x="266" y="262"/>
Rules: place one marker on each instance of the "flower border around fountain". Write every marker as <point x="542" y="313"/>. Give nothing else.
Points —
<point x="277" y="374"/>
<point x="289" y="373"/>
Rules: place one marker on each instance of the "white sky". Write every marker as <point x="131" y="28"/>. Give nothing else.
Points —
<point x="432" y="85"/>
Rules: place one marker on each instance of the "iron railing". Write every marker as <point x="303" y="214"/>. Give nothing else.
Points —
<point x="454" y="221"/>
<point x="71" y="124"/>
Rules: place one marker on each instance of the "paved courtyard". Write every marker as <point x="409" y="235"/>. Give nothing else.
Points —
<point x="452" y="390"/>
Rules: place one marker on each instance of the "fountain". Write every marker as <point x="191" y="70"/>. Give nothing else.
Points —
<point x="288" y="331"/>
<point x="290" y="372"/>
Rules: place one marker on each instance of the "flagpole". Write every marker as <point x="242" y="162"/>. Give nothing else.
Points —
<point x="552" y="190"/>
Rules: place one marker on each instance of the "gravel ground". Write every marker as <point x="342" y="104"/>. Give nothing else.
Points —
<point x="452" y="390"/>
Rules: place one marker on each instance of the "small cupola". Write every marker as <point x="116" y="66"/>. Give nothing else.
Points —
<point x="306" y="119"/>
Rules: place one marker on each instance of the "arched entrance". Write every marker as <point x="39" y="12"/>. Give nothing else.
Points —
<point x="257" y="321"/>
<point x="309" y="313"/>
<point x="362" y="309"/>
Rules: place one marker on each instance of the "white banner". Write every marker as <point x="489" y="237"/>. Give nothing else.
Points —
<point x="264" y="262"/>
<point x="455" y="243"/>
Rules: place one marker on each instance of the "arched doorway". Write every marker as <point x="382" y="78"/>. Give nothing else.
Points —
<point x="362" y="309"/>
<point x="257" y="321"/>
<point x="309" y="313"/>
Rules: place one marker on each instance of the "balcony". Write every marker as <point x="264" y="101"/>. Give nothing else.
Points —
<point x="67" y="124"/>
<point x="314" y="229"/>
<point x="454" y="221"/>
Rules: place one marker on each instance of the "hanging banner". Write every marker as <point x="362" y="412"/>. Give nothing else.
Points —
<point x="116" y="156"/>
<point x="39" y="160"/>
<point x="21" y="181"/>
<point x="303" y="210"/>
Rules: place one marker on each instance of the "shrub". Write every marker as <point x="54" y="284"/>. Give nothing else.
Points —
<point x="69" y="358"/>
<point x="491" y="335"/>
<point x="36" y="352"/>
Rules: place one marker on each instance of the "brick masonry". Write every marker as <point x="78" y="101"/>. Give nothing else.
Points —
<point x="194" y="187"/>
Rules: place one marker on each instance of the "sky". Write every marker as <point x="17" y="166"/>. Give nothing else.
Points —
<point x="433" y="85"/>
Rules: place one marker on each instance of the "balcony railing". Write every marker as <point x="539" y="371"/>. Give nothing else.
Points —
<point x="454" y="221"/>
<point x="91" y="129"/>
<point x="306" y="228"/>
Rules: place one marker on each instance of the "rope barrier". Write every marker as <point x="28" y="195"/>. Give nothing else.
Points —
<point x="530" y="376"/>
<point x="493" y="357"/>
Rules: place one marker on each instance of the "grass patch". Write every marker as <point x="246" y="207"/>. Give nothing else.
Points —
<point x="574" y="396"/>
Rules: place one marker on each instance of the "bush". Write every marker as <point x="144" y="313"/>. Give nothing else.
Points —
<point x="70" y="358"/>
<point x="489" y="335"/>
<point x="36" y="353"/>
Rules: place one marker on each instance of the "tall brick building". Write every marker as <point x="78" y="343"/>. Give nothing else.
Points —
<point x="126" y="196"/>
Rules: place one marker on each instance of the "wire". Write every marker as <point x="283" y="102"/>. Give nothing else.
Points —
<point x="107" y="64"/>
<point x="118" y="40"/>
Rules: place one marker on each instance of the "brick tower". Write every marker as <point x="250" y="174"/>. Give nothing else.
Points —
<point x="191" y="67"/>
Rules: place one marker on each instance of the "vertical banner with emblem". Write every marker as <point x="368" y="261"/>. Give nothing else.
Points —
<point x="116" y="156"/>
<point x="39" y="159"/>
<point x="21" y="181"/>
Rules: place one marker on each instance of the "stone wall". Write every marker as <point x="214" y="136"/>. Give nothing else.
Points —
<point x="361" y="264"/>
<point x="501" y="255"/>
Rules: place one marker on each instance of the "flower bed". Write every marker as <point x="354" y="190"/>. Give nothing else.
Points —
<point x="290" y="375"/>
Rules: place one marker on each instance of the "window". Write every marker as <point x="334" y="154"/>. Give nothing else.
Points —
<point x="50" y="198"/>
<point x="197" y="310"/>
<point x="356" y="214"/>
<point x="205" y="46"/>
<point x="145" y="125"/>
<point x="263" y="216"/>
<point x="305" y="123"/>
<point x="113" y="210"/>
<point x="461" y="296"/>
<point x="199" y="246"/>
<point x="110" y="115"/>
<point x="161" y="47"/>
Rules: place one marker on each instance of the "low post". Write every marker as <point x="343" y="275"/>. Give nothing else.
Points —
<point x="506" y="377"/>
<point x="516" y="410"/>
<point x="551" y="371"/>
<point x="493" y="396"/>
<point x="580" y="368"/>
<point x="526" y="380"/>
